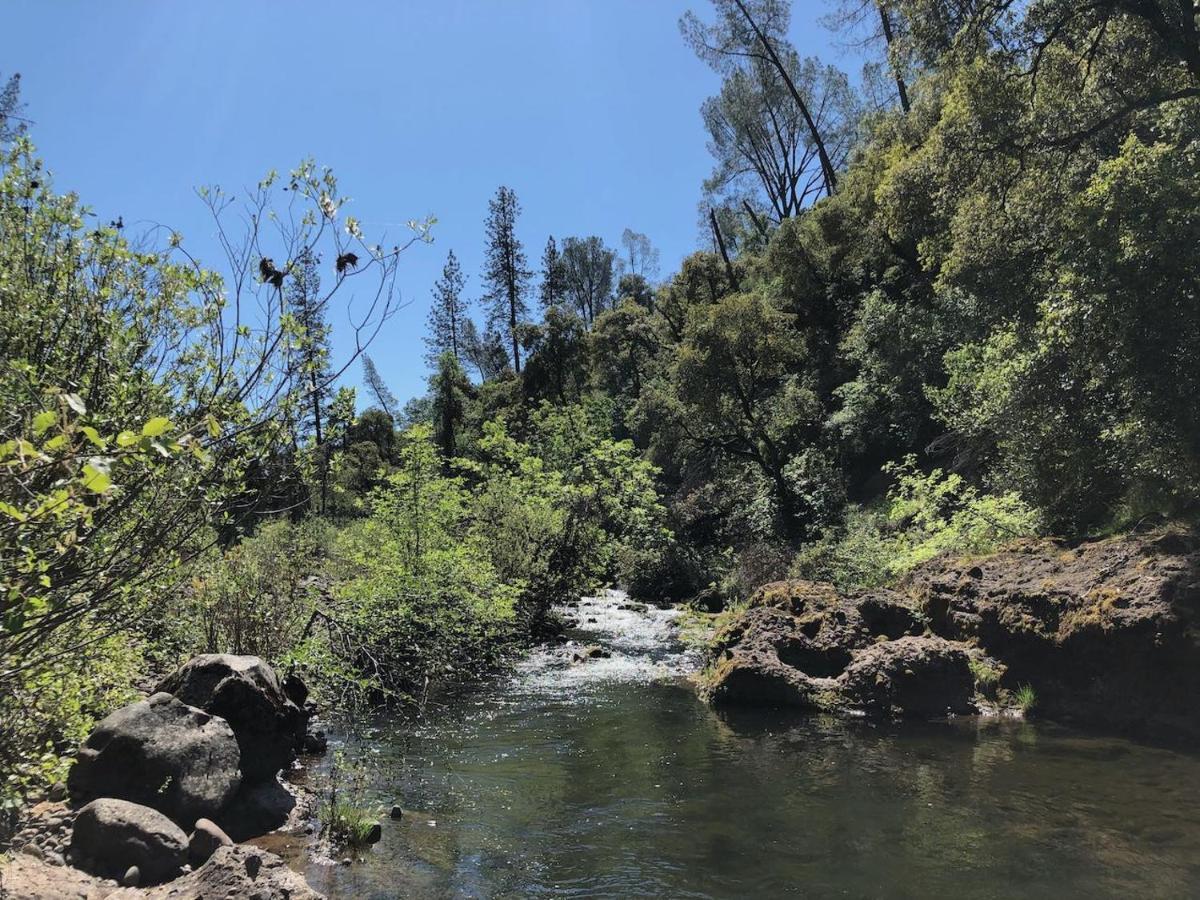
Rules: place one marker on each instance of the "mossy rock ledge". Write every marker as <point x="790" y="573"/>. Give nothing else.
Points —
<point x="1105" y="632"/>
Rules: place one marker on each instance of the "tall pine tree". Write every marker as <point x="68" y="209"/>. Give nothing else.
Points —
<point x="553" y="290"/>
<point x="505" y="277"/>
<point x="12" y="124"/>
<point x="378" y="388"/>
<point x="447" y="314"/>
<point x="310" y="360"/>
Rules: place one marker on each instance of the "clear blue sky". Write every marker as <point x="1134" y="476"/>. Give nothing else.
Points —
<point x="588" y="109"/>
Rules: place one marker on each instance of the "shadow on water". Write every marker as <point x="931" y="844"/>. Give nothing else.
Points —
<point x="609" y="778"/>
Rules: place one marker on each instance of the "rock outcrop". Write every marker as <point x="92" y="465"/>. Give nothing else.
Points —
<point x="917" y="676"/>
<point x="235" y="871"/>
<point x="1105" y="631"/>
<point x="159" y="769"/>
<point x="797" y="642"/>
<point x="246" y="693"/>
<point x="111" y="835"/>
<point x="160" y="753"/>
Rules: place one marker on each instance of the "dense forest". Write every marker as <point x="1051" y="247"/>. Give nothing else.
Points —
<point x="938" y="307"/>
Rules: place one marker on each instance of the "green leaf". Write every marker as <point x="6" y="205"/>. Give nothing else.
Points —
<point x="214" y="427"/>
<point x="156" y="426"/>
<point x="95" y="479"/>
<point x="44" y="420"/>
<point x="126" y="439"/>
<point x="94" y="436"/>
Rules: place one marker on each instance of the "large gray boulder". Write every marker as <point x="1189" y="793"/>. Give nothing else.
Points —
<point x="111" y="835"/>
<point x="161" y="753"/>
<point x="245" y="692"/>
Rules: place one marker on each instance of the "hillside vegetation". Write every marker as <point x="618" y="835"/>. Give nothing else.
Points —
<point x="955" y="307"/>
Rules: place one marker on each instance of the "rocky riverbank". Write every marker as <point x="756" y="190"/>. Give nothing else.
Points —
<point x="1104" y="632"/>
<point x="163" y="790"/>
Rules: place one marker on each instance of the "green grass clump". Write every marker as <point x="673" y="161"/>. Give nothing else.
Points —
<point x="1025" y="697"/>
<point x="347" y="818"/>
<point x="347" y="824"/>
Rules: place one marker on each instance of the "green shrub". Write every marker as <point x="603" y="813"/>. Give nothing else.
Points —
<point x="47" y="710"/>
<point x="926" y="515"/>
<point x="257" y="597"/>
<point x="423" y="600"/>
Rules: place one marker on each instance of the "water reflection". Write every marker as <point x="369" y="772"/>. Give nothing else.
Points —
<point x="609" y="778"/>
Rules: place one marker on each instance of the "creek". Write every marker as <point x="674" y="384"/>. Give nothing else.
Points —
<point x="609" y="778"/>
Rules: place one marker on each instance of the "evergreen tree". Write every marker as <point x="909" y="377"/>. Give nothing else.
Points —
<point x="12" y="124"/>
<point x="553" y="290"/>
<point x="448" y="312"/>
<point x="378" y="388"/>
<point x="311" y="360"/>
<point x="505" y="277"/>
<point x="449" y="390"/>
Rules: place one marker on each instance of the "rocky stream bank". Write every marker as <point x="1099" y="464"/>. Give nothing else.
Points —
<point x="164" y="788"/>
<point x="1103" y="632"/>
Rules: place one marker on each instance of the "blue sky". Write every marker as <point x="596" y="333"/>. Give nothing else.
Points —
<point x="588" y="109"/>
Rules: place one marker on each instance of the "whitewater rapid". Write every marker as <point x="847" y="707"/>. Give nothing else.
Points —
<point x="643" y="641"/>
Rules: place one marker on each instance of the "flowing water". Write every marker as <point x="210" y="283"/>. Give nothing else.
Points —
<point x="608" y="778"/>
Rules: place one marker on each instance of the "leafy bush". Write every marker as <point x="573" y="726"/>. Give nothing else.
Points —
<point x="423" y="601"/>
<point x="925" y="515"/>
<point x="258" y="596"/>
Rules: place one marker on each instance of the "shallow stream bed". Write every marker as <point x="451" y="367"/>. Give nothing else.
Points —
<point x="608" y="778"/>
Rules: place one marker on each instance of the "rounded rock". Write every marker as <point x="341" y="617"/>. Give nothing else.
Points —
<point x="205" y="840"/>
<point x="248" y="694"/>
<point x="117" y="835"/>
<point x="163" y="754"/>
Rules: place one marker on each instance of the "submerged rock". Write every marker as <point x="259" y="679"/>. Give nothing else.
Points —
<point x="161" y="753"/>
<point x="592" y="651"/>
<point x="247" y="693"/>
